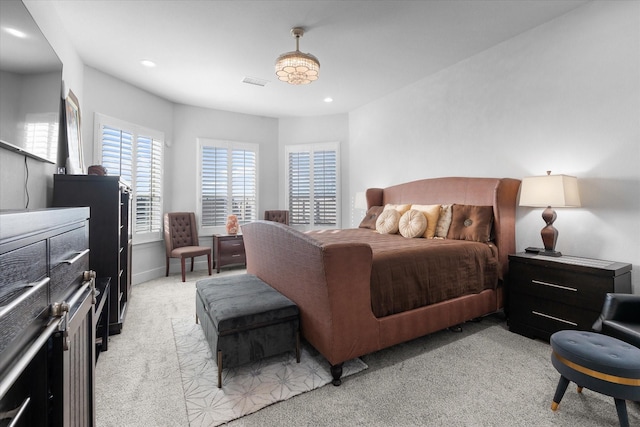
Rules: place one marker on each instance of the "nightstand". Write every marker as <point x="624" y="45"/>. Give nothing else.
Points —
<point x="548" y="294"/>
<point x="228" y="249"/>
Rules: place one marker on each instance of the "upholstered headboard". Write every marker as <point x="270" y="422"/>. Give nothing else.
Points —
<point x="501" y="193"/>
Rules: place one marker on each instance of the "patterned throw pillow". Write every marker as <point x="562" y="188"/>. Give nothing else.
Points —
<point x="369" y="220"/>
<point x="444" y="222"/>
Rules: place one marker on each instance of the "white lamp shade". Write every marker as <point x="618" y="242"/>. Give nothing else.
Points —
<point x="557" y="191"/>
<point x="360" y="201"/>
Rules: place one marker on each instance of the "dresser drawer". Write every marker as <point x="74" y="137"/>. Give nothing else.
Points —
<point x="572" y="288"/>
<point x="69" y="260"/>
<point x="13" y="265"/>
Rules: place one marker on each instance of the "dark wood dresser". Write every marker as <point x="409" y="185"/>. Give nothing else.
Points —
<point x="228" y="249"/>
<point x="110" y="233"/>
<point x="548" y="294"/>
<point x="47" y="319"/>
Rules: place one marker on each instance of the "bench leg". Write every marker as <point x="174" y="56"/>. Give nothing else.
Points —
<point x="562" y="387"/>
<point x="298" y="347"/>
<point x="219" y="368"/>
<point x="621" y="408"/>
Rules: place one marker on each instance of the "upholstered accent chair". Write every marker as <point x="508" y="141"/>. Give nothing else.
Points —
<point x="181" y="239"/>
<point x="281" y="216"/>
<point x="620" y="318"/>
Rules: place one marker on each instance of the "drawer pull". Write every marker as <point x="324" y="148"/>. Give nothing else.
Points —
<point x="75" y="258"/>
<point x="27" y="357"/>
<point x="537" y="313"/>
<point x="33" y="288"/>
<point x="235" y="255"/>
<point x="553" y="285"/>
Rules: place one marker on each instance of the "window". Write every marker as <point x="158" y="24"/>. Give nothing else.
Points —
<point x="312" y="184"/>
<point x="228" y="181"/>
<point x="135" y="154"/>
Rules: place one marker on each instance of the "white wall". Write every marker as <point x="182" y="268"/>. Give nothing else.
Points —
<point x="564" y="97"/>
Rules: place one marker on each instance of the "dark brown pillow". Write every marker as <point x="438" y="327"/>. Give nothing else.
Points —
<point x="370" y="218"/>
<point x="470" y="222"/>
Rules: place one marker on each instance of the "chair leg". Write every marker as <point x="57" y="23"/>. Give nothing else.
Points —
<point x="219" y="368"/>
<point x="562" y="387"/>
<point x="191" y="263"/>
<point x="209" y="263"/>
<point x="621" y="408"/>
<point x="182" y="267"/>
<point x="167" y="274"/>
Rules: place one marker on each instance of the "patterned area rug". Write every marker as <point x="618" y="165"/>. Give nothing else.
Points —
<point x="248" y="388"/>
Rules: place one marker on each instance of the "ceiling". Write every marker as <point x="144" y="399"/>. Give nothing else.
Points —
<point x="367" y="49"/>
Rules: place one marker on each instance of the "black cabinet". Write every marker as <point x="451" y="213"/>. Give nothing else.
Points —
<point x="548" y="294"/>
<point x="110" y="233"/>
<point x="47" y="321"/>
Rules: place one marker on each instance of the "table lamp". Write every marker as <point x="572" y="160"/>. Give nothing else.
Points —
<point x="557" y="191"/>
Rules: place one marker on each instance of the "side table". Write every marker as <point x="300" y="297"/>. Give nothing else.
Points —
<point x="549" y="294"/>
<point x="228" y="249"/>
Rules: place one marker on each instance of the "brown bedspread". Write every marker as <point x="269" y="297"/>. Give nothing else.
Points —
<point x="411" y="273"/>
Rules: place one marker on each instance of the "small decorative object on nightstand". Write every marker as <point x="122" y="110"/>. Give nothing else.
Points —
<point x="228" y="250"/>
<point x="549" y="294"/>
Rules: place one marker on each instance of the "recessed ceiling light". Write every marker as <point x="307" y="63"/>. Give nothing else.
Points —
<point x="148" y="63"/>
<point x="16" y="33"/>
<point x="328" y="99"/>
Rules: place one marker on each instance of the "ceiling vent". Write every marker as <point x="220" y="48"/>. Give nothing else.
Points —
<point x="255" y="81"/>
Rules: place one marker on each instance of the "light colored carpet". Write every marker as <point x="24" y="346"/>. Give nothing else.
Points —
<point x="484" y="376"/>
<point x="247" y="388"/>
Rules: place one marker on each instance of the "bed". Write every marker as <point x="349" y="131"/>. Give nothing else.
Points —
<point x="360" y="291"/>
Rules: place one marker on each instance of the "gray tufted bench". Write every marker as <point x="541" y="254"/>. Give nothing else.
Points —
<point x="244" y="320"/>
<point x="598" y="362"/>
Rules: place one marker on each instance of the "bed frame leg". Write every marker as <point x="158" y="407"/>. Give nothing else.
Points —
<point x="336" y="373"/>
<point x="455" y="328"/>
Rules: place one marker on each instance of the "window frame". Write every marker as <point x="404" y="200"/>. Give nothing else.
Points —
<point x="136" y="131"/>
<point x="311" y="149"/>
<point x="230" y="145"/>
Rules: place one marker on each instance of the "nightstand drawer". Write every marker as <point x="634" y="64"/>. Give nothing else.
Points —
<point x="233" y="245"/>
<point x="576" y="289"/>
<point x="551" y="315"/>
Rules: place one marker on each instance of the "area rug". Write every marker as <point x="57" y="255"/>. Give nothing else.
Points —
<point x="248" y="388"/>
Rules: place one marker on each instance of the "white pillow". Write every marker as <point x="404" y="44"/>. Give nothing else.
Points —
<point x="387" y="222"/>
<point x="413" y="223"/>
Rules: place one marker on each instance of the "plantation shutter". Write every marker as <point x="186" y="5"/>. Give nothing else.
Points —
<point x="243" y="185"/>
<point x="136" y="155"/>
<point x="299" y="188"/>
<point x="313" y="182"/>
<point x="148" y="185"/>
<point x="325" y="187"/>
<point x="228" y="182"/>
<point x="117" y="152"/>
<point x="214" y="185"/>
